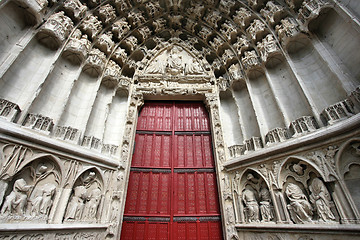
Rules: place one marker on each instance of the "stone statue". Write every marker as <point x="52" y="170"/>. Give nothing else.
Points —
<point x="16" y="201"/>
<point x="174" y="63"/>
<point x="320" y="197"/>
<point x="41" y="204"/>
<point x="193" y="68"/>
<point x="299" y="207"/>
<point x="265" y="204"/>
<point x="251" y="204"/>
<point x="91" y="206"/>
<point x="76" y="204"/>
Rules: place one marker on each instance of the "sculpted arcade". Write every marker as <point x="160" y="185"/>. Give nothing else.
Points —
<point x="277" y="85"/>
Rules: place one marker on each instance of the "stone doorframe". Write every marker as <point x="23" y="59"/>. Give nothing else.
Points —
<point x="207" y="93"/>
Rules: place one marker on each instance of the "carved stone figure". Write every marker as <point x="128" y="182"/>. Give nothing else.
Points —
<point x="91" y="205"/>
<point x="251" y="205"/>
<point x="265" y="204"/>
<point x="250" y="60"/>
<point x="321" y="199"/>
<point x="193" y="68"/>
<point x="77" y="47"/>
<point x="91" y="25"/>
<point x="75" y="8"/>
<point x="299" y="207"/>
<point x="105" y="42"/>
<point x="255" y="29"/>
<point x="267" y="47"/>
<point x="41" y="204"/>
<point x="174" y="63"/>
<point x="76" y="205"/>
<point x="16" y="201"/>
<point x="55" y="30"/>
<point x="107" y="13"/>
<point x="242" y="17"/>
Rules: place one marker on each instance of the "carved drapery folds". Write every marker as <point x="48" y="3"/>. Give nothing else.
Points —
<point x="28" y="190"/>
<point x="55" y="30"/>
<point x="85" y="198"/>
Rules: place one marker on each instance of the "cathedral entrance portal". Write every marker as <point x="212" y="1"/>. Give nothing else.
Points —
<point x="172" y="191"/>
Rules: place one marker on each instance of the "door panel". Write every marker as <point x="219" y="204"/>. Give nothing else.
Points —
<point x="172" y="190"/>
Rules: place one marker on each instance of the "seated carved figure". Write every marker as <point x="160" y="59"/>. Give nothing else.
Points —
<point x="251" y="204"/>
<point x="320" y="197"/>
<point x="41" y="204"/>
<point x="16" y="201"/>
<point x="299" y="207"/>
<point x="76" y="205"/>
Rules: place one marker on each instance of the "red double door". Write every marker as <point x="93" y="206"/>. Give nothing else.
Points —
<point x="172" y="191"/>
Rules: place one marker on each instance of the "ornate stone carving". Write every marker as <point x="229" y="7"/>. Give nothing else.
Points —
<point x="109" y="149"/>
<point x="253" y="144"/>
<point x="105" y="43"/>
<point x="84" y="202"/>
<point x="111" y="74"/>
<point x="95" y="62"/>
<point x="38" y="122"/>
<point x="228" y="56"/>
<point x="229" y="30"/>
<point x="212" y="18"/>
<point x="288" y="29"/>
<point x="338" y="111"/>
<point x="217" y="43"/>
<point x="77" y="47"/>
<point x="197" y="10"/>
<point x="143" y="32"/>
<point x="226" y="5"/>
<point x="276" y="135"/>
<point x="91" y="142"/>
<point x="354" y="97"/>
<point x="265" y="204"/>
<point x="122" y="5"/>
<point x="36" y="9"/>
<point x="272" y="12"/>
<point x="256" y="4"/>
<point x="91" y="26"/>
<point x="119" y="55"/>
<point x="204" y="33"/>
<point x="243" y="17"/>
<point x="302" y="125"/>
<point x="107" y="13"/>
<point x="120" y="28"/>
<point x="153" y="8"/>
<point x="325" y="160"/>
<point x="236" y="150"/>
<point x="293" y="4"/>
<point x="310" y="9"/>
<point x="300" y="209"/>
<point x="256" y="30"/>
<point x="251" y="205"/>
<point x="268" y="48"/>
<point x="250" y="60"/>
<point x="242" y="44"/>
<point x="55" y="30"/>
<point x="42" y="203"/>
<point x="159" y="24"/>
<point x="136" y="18"/>
<point x="130" y="43"/>
<point x="8" y="110"/>
<point x="16" y="201"/>
<point x="235" y="72"/>
<point x="321" y="199"/>
<point x="75" y="9"/>
<point x="67" y="133"/>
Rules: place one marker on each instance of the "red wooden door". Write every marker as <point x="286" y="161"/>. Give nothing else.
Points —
<point x="172" y="191"/>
